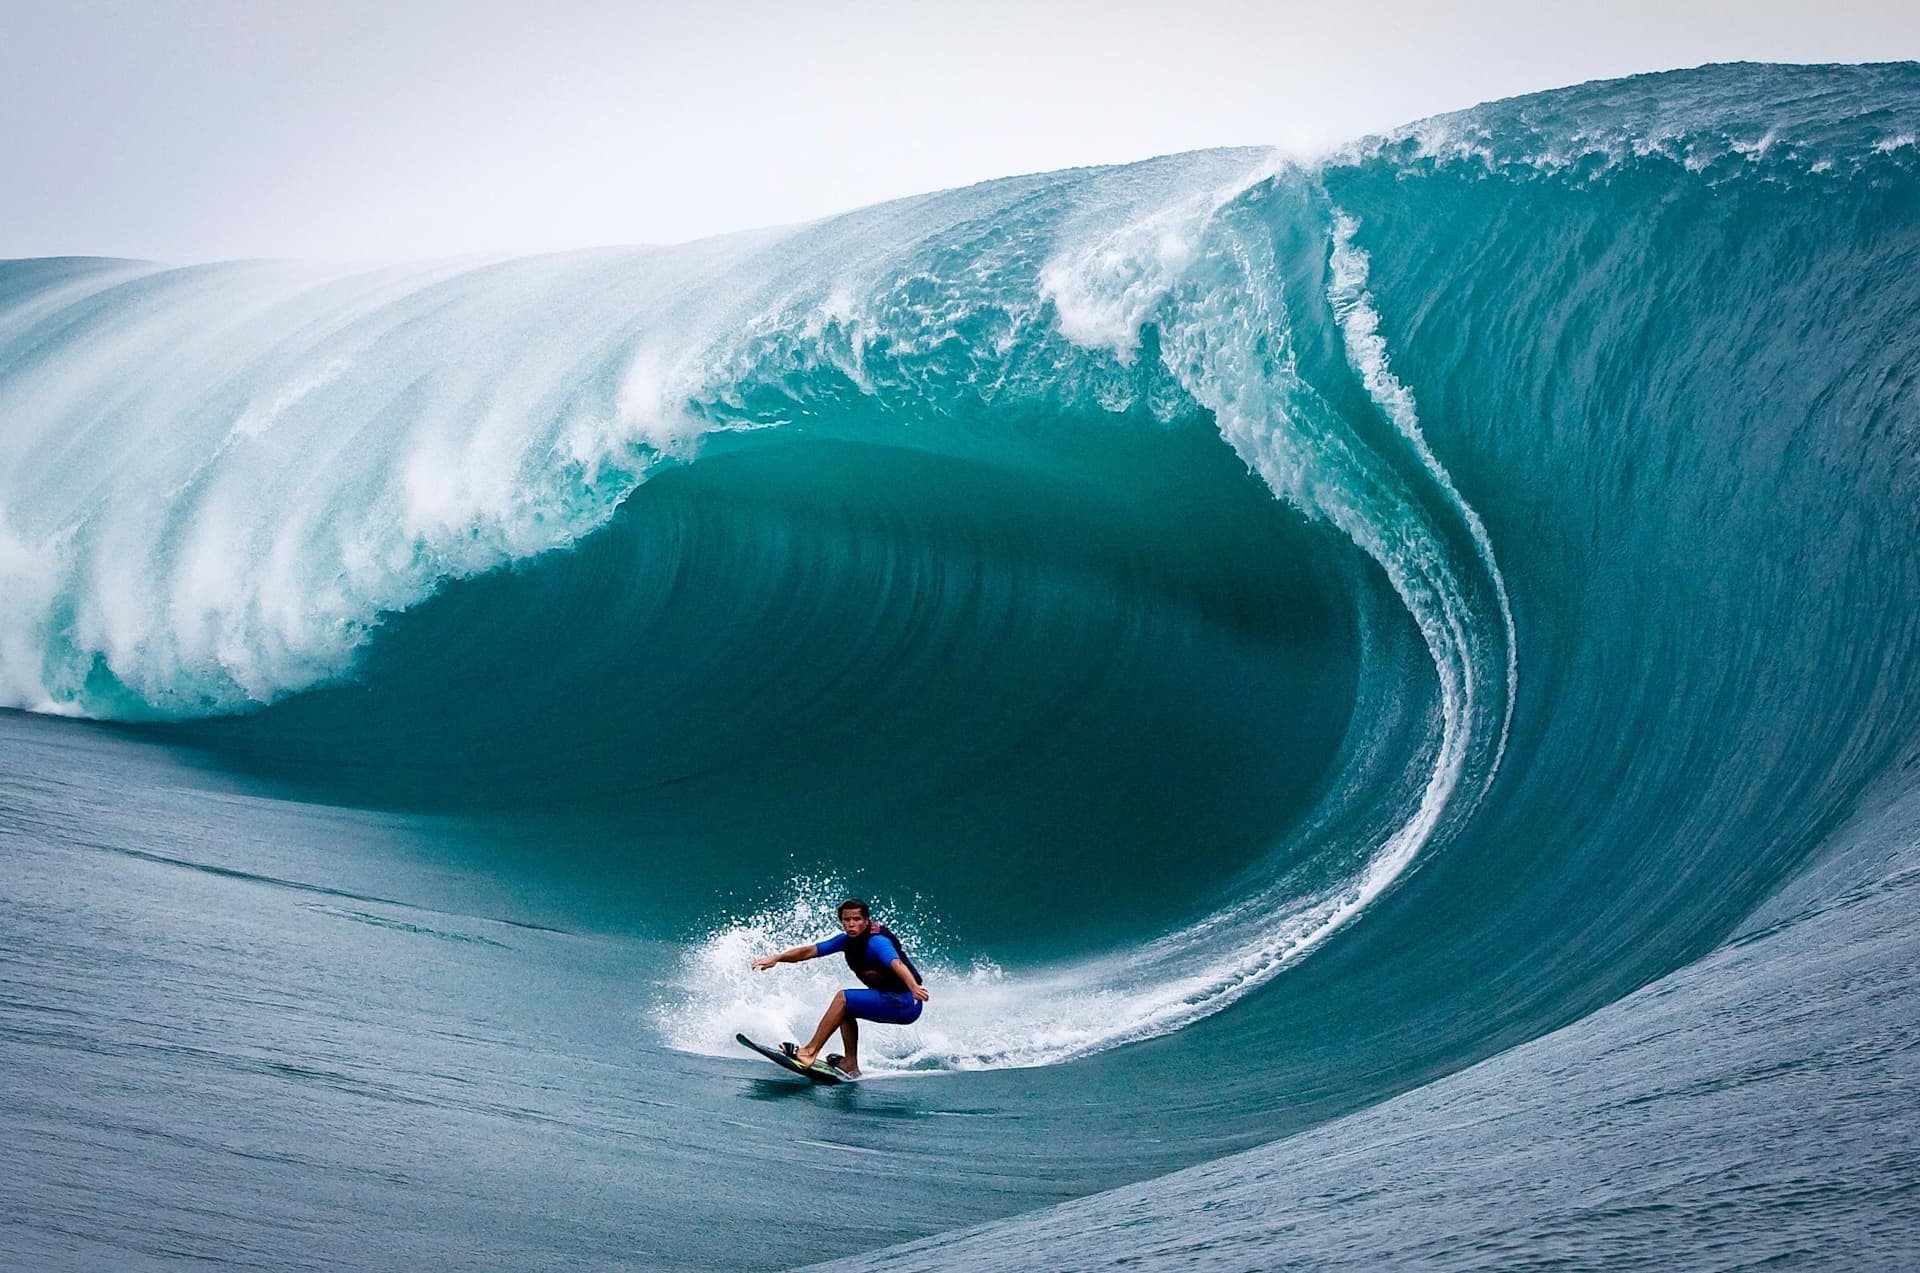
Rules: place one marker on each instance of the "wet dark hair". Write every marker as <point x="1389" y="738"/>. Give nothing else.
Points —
<point x="853" y="904"/>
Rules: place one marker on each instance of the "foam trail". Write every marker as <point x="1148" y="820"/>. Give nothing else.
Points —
<point x="29" y="579"/>
<point x="1367" y="354"/>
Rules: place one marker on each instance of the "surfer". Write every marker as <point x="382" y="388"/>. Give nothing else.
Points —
<point x="892" y="993"/>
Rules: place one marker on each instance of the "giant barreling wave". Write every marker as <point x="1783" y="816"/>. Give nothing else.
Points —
<point x="1578" y="567"/>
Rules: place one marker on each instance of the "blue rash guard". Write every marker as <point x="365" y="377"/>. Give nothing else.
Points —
<point x="868" y="1004"/>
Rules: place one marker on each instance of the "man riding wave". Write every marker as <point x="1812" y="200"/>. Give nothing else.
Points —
<point x="891" y="994"/>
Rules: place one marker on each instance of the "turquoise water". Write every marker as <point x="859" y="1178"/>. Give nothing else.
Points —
<point x="1327" y="664"/>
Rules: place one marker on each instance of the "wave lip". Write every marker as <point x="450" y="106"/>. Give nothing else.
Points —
<point x="1720" y="122"/>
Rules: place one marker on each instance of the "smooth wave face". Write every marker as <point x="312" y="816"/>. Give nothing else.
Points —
<point x="1442" y="588"/>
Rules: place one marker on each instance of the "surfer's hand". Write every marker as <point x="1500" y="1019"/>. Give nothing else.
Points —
<point x="765" y="962"/>
<point x="920" y="993"/>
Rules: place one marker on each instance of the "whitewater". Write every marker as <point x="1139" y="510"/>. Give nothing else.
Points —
<point x="1372" y="683"/>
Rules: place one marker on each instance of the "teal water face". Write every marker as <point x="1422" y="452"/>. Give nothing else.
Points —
<point x="1271" y="637"/>
<point x="925" y="675"/>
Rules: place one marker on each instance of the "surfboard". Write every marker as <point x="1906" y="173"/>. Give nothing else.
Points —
<point x="818" y="1072"/>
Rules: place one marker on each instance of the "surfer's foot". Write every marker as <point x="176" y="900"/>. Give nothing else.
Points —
<point x="843" y="1065"/>
<point x="803" y="1055"/>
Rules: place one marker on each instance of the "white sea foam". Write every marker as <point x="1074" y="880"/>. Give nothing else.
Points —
<point x="1780" y="121"/>
<point x="29" y="581"/>
<point x="1104" y="290"/>
<point x="1104" y="296"/>
<point x="1366" y="349"/>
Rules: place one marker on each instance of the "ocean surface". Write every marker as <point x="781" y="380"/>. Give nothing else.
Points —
<point x="1382" y="691"/>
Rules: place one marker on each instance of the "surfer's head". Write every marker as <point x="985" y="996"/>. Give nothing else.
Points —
<point x="855" y="917"/>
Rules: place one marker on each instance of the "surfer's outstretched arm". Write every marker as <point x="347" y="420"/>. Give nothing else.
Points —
<point x="914" y="987"/>
<point x="799" y="954"/>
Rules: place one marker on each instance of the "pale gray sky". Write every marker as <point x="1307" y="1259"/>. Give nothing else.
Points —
<point x="190" y="131"/>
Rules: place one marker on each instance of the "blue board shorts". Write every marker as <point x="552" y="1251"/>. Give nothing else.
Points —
<point x="873" y="1005"/>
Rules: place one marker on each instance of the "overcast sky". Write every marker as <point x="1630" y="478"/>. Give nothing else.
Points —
<point x="192" y="131"/>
